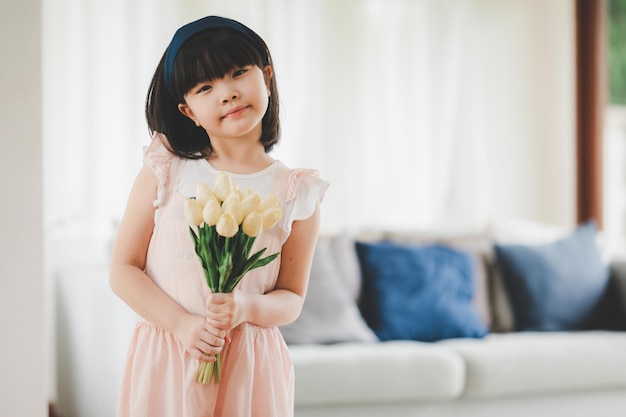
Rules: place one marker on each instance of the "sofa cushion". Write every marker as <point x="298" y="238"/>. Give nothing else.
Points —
<point x="477" y="246"/>
<point x="518" y="231"/>
<point x="362" y="373"/>
<point x="556" y="286"/>
<point x="527" y="363"/>
<point x="330" y="313"/>
<point x="418" y="293"/>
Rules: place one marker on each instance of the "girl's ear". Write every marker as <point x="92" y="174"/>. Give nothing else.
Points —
<point x="186" y="111"/>
<point x="268" y="73"/>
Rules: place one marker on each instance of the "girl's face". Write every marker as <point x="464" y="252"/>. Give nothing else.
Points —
<point x="230" y="107"/>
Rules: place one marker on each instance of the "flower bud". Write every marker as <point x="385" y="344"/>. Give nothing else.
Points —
<point x="223" y="186"/>
<point x="271" y="217"/>
<point x="231" y="197"/>
<point x="203" y="193"/>
<point x="193" y="212"/>
<point x="250" y="203"/>
<point x="236" y="211"/>
<point x="245" y="192"/>
<point x="268" y="202"/>
<point x="232" y="205"/>
<point x="212" y="212"/>
<point x="226" y="225"/>
<point x="253" y="224"/>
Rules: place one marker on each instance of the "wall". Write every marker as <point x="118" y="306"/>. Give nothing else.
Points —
<point x="529" y="78"/>
<point x="22" y="372"/>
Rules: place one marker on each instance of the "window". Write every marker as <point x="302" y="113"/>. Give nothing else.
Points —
<point x="615" y="129"/>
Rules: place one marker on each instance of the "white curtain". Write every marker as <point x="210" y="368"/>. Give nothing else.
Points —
<point x="383" y="97"/>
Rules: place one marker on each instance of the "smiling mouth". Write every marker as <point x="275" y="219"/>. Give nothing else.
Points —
<point x="235" y="112"/>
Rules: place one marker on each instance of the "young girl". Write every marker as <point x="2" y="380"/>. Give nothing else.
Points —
<point x="212" y="106"/>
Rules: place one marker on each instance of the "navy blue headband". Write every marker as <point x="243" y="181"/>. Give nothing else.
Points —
<point x="183" y="34"/>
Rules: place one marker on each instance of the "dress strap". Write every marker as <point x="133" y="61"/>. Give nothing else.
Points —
<point x="166" y="166"/>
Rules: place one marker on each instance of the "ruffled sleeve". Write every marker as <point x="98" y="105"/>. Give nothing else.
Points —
<point x="305" y="191"/>
<point x="159" y="159"/>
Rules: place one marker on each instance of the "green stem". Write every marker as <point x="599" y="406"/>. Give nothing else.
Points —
<point x="217" y="374"/>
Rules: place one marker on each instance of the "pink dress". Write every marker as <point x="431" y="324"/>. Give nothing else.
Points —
<point x="257" y="375"/>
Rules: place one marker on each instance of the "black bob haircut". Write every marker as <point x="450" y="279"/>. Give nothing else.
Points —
<point x="206" y="56"/>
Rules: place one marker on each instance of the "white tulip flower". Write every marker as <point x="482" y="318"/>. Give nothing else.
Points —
<point x="250" y="203"/>
<point x="223" y="186"/>
<point x="211" y="212"/>
<point x="253" y="224"/>
<point x="268" y="202"/>
<point x="271" y="217"/>
<point x="227" y="226"/>
<point x="203" y="193"/>
<point x="193" y="212"/>
<point x="232" y="205"/>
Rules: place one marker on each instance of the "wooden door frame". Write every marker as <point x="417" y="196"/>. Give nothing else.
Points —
<point x="591" y="91"/>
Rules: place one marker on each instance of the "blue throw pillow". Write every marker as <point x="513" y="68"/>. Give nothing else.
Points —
<point x="418" y="293"/>
<point x="557" y="286"/>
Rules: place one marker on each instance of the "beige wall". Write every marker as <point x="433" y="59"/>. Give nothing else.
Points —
<point x="22" y="373"/>
<point x="529" y="78"/>
<point x="532" y="131"/>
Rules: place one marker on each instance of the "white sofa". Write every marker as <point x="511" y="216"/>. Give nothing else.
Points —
<point x="506" y="373"/>
<point x="516" y="374"/>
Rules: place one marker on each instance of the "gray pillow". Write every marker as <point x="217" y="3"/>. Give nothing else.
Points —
<point x="344" y="253"/>
<point x="558" y="286"/>
<point x="330" y="313"/>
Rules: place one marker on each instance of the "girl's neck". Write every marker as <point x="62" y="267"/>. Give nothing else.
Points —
<point x="240" y="159"/>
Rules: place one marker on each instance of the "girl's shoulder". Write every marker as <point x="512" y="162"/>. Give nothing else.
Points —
<point x="163" y="163"/>
<point x="158" y="156"/>
<point x="158" y="147"/>
<point x="304" y="188"/>
<point x="298" y="179"/>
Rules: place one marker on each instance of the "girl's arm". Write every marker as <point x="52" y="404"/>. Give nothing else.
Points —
<point x="129" y="281"/>
<point x="283" y="304"/>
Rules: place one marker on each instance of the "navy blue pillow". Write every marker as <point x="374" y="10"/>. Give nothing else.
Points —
<point x="418" y="293"/>
<point x="557" y="286"/>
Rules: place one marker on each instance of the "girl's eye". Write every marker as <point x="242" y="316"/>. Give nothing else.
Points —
<point x="204" y="88"/>
<point x="239" y="72"/>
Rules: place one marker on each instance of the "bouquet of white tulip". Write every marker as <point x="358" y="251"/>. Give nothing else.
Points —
<point x="224" y="223"/>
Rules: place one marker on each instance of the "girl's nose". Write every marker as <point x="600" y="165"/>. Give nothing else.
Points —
<point x="232" y="95"/>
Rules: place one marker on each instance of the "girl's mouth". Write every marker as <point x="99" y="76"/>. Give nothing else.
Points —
<point x="235" y="112"/>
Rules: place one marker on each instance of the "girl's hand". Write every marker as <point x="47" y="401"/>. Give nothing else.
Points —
<point x="200" y="339"/>
<point x="225" y="311"/>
